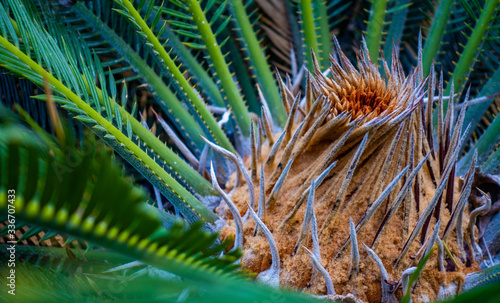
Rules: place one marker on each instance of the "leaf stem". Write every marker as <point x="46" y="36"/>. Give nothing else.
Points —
<point x="309" y="31"/>
<point x="193" y="97"/>
<point x="433" y="40"/>
<point x="257" y="57"/>
<point x="375" y="28"/>
<point x="232" y="95"/>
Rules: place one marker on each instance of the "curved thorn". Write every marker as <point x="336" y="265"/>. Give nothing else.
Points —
<point x="455" y="138"/>
<point x="216" y="110"/>
<point x="297" y="80"/>
<point x="405" y="279"/>
<point x="420" y="71"/>
<point x="238" y="240"/>
<point x="328" y="280"/>
<point x="291" y="118"/>
<point x="384" y="276"/>
<point x="266" y="113"/>
<point x="177" y="141"/>
<point x="231" y="157"/>
<point x="270" y="276"/>
<point x="314" y="234"/>
<point x="158" y="198"/>
<point x="460" y="235"/>
<point x="440" y="112"/>
<point x="260" y="135"/>
<point x="284" y="95"/>
<point x="239" y="163"/>
<point x="293" y="62"/>
<point x="125" y="266"/>
<point x="476" y="250"/>
<point x="268" y="127"/>
<point x="253" y="153"/>
<point x="490" y="258"/>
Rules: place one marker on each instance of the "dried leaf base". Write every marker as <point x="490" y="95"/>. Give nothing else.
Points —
<point x="365" y="146"/>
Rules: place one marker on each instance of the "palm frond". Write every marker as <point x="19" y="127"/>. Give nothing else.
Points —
<point x="88" y="198"/>
<point x="91" y="105"/>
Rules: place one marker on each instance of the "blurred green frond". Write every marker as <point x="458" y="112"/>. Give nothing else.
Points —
<point x="83" y="194"/>
<point x="91" y="105"/>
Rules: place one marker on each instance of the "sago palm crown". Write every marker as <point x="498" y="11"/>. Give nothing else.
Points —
<point x="333" y="148"/>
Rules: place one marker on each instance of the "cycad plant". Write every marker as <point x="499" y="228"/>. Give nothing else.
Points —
<point x="333" y="146"/>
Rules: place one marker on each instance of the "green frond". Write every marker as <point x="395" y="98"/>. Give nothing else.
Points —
<point x="91" y="200"/>
<point x="50" y="275"/>
<point x="110" y="213"/>
<point x="491" y="165"/>
<point x="475" y="40"/>
<point x="489" y="138"/>
<point x="258" y="62"/>
<point x="99" y="110"/>
<point x="165" y="98"/>
<point x="471" y="50"/>
<point x="129" y="11"/>
<point x="233" y="97"/>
